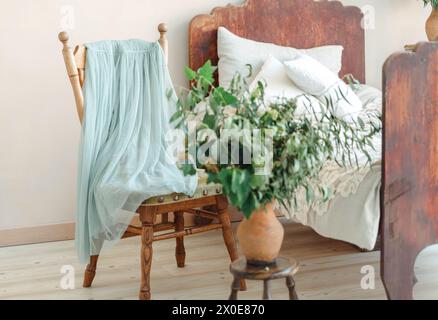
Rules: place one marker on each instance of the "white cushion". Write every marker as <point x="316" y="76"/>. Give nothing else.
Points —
<point x="235" y="53"/>
<point x="312" y="77"/>
<point x="279" y="86"/>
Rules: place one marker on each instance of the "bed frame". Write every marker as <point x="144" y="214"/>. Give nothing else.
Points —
<point x="294" y="23"/>
<point x="410" y="165"/>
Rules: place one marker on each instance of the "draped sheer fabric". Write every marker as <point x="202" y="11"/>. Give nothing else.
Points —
<point x="123" y="157"/>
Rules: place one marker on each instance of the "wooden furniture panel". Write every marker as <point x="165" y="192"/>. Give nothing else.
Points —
<point x="410" y="165"/>
<point x="294" y="23"/>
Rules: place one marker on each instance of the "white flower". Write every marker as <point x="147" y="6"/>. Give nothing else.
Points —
<point x="261" y="110"/>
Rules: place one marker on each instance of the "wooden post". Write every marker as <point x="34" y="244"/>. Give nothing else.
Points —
<point x="162" y="29"/>
<point x="73" y="73"/>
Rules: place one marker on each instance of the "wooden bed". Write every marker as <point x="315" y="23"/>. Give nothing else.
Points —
<point x="307" y="23"/>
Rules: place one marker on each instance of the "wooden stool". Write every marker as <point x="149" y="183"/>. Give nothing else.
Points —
<point x="283" y="268"/>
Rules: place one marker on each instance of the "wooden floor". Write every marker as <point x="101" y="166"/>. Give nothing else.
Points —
<point x="329" y="270"/>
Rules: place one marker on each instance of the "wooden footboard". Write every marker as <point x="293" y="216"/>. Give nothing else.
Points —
<point x="410" y="165"/>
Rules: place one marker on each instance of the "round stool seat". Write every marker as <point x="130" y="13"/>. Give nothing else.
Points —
<point x="282" y="268"/>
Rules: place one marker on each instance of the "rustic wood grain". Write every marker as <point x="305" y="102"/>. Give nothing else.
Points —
<point x="410" y="165"/>
<point x="180" y="252"/>
<point x="146" y="252"/>
<point x="294" y="23"/>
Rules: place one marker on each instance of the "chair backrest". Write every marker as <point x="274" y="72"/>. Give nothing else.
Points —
<point x="75" y="64"/>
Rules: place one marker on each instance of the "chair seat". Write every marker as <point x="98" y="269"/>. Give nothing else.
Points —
<point x="204" y="189"/>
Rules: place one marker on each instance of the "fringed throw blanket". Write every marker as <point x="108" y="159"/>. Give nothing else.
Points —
<point x="123" y="158"/>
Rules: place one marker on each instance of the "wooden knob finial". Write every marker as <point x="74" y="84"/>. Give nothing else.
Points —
<point x="63" y="36"/>
<point x="162" y="28"/>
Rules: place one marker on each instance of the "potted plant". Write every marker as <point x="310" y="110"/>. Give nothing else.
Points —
<point x="286" y="151"/>
<point x="432" y="22"/>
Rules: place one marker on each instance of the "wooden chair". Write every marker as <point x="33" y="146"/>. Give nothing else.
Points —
<point x="207" y="195"/>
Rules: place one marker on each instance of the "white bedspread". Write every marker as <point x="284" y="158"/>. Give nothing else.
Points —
<point x="353" y="212"/>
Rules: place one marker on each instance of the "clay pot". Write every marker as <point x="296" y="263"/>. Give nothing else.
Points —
<point x="432" y="26"/>
<point x="260" y="236"/>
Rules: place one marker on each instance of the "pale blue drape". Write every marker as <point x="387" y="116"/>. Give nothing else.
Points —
<point x="122" y="158"/>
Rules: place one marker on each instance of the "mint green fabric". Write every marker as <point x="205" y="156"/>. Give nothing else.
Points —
<point x="122" y="158"/>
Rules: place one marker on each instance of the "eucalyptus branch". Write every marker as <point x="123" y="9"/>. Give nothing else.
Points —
<point x="301" y="144"/>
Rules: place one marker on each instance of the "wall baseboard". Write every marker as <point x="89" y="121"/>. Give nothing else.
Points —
<point x="53" y="232"/>
<point x="66" y="231"/>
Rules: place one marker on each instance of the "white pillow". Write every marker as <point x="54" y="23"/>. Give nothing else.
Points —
<point x="312" y="77"/>
<point x="235" y="53"/>
<point x="279" y="86"/>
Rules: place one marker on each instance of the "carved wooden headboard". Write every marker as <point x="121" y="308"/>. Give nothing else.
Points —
<point x="294" y="23"/>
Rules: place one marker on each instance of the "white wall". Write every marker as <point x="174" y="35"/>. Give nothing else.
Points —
<point x="39" y="130"/>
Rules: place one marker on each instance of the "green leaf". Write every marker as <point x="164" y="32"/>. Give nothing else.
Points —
<point x="210" y="121"/>
<point x="240" y="186"/>
<point x="176" y="116"/>
<point x="361" y="123"/>
<point x="309" y="194"/>
<point x="188" y="169"/>
<point x="190" y="74"/>
<point x="326" y="193"/>
<point x="258" y="181"/>
<point x="213" y="178"/>
<point x="250" y="205"/>
<point x="297" y="166"/>
<point x="169" y="93"/>
<point x="206" y="71"/>
<point x="224" y="98"/>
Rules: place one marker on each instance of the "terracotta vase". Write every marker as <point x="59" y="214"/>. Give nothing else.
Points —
<point x="260" y="236"/>
<point x="432" y="26"/>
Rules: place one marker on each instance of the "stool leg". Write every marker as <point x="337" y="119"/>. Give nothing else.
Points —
<point x="180" y="252"/>
<point x="290" y="283"/>
<point x="267" y="290"/>
<point x="235" y="287"/>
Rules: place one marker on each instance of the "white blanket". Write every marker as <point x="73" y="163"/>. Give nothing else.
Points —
<point x="353" y="212"/>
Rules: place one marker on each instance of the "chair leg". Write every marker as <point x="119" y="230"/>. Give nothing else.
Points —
<point x="90" y="271"/>
<point x="180" y="252"/>
<point x="147" y="235"/>
<point x="227" y="231"/>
